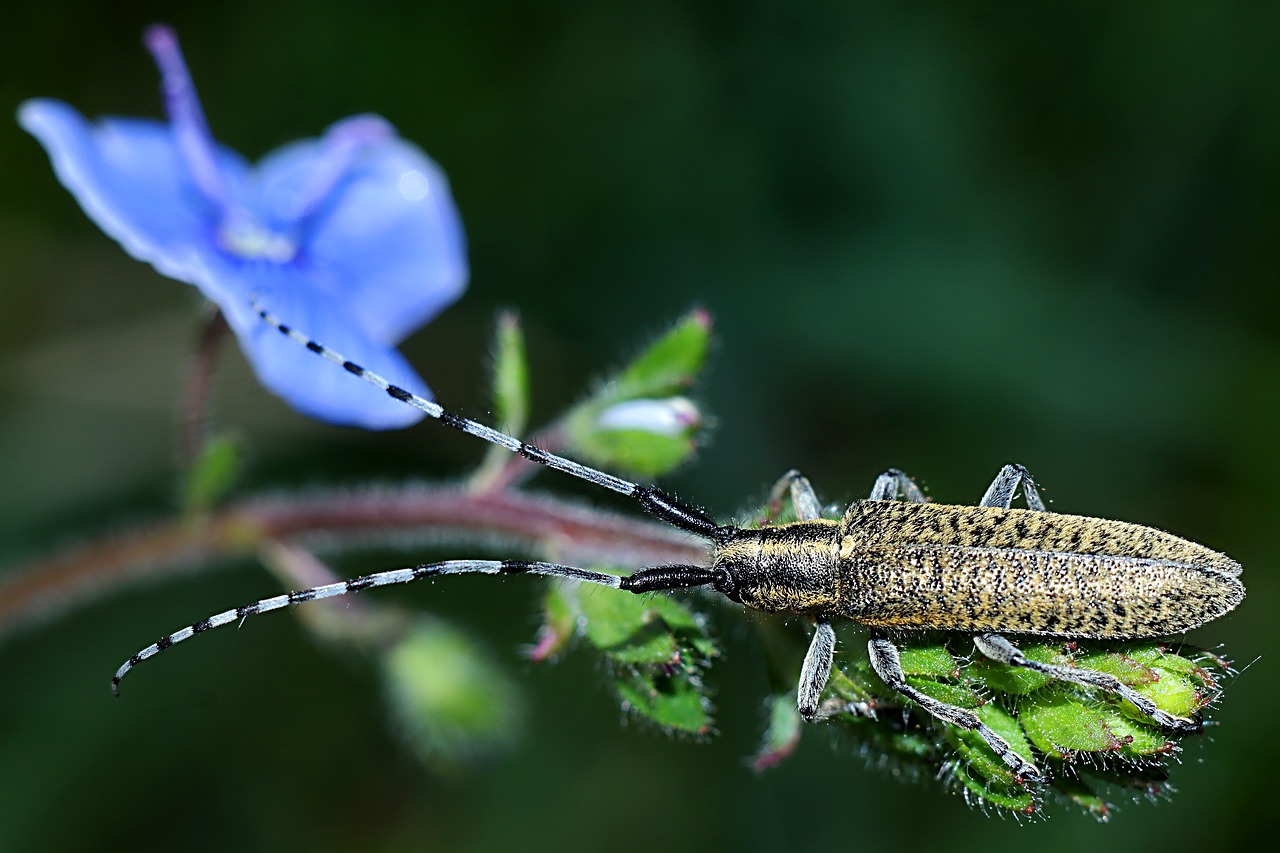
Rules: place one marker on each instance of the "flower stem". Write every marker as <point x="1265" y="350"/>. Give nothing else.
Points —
<point x="415" y="515"/>
<point x="193" y="416"/>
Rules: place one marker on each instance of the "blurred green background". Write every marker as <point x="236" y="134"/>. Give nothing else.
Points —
<point x="933" y="236"/>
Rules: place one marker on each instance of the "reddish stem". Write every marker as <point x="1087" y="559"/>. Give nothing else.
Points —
<point x="193" y="417"/>
<point x="522" y="523"/>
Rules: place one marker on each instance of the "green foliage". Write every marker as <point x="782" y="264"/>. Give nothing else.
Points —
<point x="1089" y="741"/>
<point x="656" y="647"/>
<point x="451" y="702"/>
<point x="636" y="420"/>
<point x="213" y="473"/>
<point x="510" y="377"/>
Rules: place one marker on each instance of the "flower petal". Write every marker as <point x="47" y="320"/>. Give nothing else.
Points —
<point x="314" y="385"/>
<point x="128" y="177"/>
<point x="386" y="229"/>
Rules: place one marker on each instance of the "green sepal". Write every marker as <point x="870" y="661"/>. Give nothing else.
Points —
<point x="781" y="734"/>
<point x="645" y="453"/>
<point x="1165" y="678"/>
<point x="1059" y="723"/>
<point x="1015" y="680"/>
<point x="674" y="703"/>
<point x="666" y="366"/>
<point x="213" y="473"/>
<point x="558" y="625"/>
<point x="450" y="701"/>
<point x="1136" y="740"/>
<point x="1083" y="795"/>
<point x="1063" y="728"/>
<point x="960" y="695"/>
<point x="510" y="376"/>
<point x="656" y="646"/>
<point x="1012" y="799"/>
<point x="510" y="390"/>
<point x="986" y="774"/>
<point x="653" y="379"/>
<point x="933" y="661"/>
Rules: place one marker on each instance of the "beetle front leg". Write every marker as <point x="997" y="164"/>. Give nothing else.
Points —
<point x="1002" y="489"/>
<point x="893" y="485"/>
<point x="816" y="670"/>
<point x="803" y="499"/>
<point x="999" y="649"/>
<point x="888" y="665"/>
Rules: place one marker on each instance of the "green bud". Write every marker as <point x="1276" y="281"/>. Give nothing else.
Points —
<point x="637" y="420"/>
<point x="213" y="473"/>
<point x="645" y="436"/>
<point x="452" y="703"/>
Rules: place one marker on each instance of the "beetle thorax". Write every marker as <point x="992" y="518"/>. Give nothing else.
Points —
<point x="789" y="568"/>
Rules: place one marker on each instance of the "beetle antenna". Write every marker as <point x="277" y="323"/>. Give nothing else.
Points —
<point x="664" y="506"/>
<point x="646" y="580"/>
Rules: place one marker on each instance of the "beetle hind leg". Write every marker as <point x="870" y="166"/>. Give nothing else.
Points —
<point x="894" y="485"/>
<point x="999" y="649"/>
<point x="888" y="665"/>
<point x="816" y="671"/>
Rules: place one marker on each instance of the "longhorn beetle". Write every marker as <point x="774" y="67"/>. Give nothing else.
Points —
<point x="893" y="562"/>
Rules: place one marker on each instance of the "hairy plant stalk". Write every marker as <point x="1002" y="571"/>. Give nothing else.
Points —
<point x="332" y="521"/>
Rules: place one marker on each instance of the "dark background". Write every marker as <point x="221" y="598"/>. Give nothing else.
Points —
<point x="932" y="236"/>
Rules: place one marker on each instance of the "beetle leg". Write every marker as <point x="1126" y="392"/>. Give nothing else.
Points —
<point x="893" y="484"/>
<point x="1002" y="651"/>
<point x="1002" y="489"/>
<point x="803" y="499"/>
<point x="816" y="670"/>
<point x="888" y="665"/>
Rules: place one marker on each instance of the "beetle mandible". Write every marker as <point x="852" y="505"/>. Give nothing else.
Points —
<point x="893" y="562"/>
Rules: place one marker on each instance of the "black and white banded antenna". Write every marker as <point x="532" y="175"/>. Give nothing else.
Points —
<point x="664" y="506"/>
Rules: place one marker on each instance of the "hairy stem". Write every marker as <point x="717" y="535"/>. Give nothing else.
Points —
<point x="193" y="416"/>
<point x="414" y="515"/>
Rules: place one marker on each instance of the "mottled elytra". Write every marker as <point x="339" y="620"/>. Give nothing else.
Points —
<point x="894" y="562"/>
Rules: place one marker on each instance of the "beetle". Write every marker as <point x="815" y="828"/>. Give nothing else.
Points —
<point x="894" y="562"/>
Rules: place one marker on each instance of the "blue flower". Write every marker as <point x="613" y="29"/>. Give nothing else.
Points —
<point x="352" y="237"/>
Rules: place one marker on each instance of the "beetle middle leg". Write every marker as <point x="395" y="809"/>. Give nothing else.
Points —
<point x="1002" y="489"/>
<point x="889" y="486"/>
<point x="1002" y="651"/>
<point x="888" y="665"/>
<point x="817" y="661"/>
<point x="893" y="485"/>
